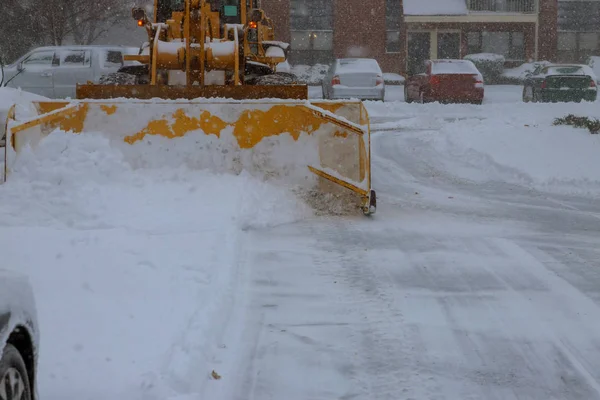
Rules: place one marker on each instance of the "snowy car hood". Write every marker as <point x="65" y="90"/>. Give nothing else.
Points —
<point x="17" y="306"/>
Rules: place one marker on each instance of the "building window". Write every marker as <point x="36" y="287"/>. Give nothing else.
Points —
<point x="511" y="45"/>
<point x="580" y="16"/>
<point x="576" y="47"/>
<point x="503" y="6"/>
<point x="567" y="41"/>
<point x="311" y="24"/>
<point x="393" y="14"/>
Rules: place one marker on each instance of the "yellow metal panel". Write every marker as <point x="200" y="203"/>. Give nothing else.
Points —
<point x="339" y="142"/>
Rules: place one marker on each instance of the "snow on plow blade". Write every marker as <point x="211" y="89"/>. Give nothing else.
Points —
<point x="323" y="145"/>
<point x="145" y="92"/>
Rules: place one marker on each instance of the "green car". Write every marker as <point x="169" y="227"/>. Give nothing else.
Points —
<point x="560" y="83"/>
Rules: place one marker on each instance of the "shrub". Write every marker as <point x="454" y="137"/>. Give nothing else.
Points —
<point x="592" y="124"/>
<point x="490" y="65"/>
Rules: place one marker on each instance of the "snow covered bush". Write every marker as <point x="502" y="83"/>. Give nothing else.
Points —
<point x="592" y="124"/>
<point x="490" y="65"/>
<point x="518" y="74"/>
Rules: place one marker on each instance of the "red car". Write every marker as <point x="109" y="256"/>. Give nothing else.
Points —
<point x="446" y="81"/>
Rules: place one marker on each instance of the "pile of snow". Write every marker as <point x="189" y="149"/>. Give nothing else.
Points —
<point x="491" y="57"/>
<point x="435" y="7"/>
<point x="133" y="269"/>
<point x="594" y="63"/>
<point x="391" y="78"/>
<point x="520" y="73"/>
<point x="11" y="96"/>
<point x="510" y="142"/>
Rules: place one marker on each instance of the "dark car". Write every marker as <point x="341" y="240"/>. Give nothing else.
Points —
<point x="19" y="338"/>
<point x="560" y="83"/>
<point x="446" y="81"/>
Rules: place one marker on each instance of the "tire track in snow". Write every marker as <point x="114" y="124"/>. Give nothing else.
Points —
<point x="566" y="294"/>
<point x="389" y="350"/>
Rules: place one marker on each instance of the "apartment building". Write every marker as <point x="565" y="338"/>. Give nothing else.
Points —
<point x="400" y="34"/>
<point x="578" y="30"/>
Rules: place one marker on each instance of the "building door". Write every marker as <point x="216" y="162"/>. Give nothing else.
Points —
<point x="448" y="45"/>
<point x="418" y="51"/>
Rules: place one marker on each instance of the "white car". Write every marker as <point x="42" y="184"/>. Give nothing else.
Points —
<point x="54" y="72"/>
<point x="19" y="338"/>
<point x="359" y="78"/>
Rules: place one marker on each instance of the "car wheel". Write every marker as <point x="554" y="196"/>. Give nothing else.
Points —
<point x="14" y="381"/>
<point x="527" y="94"/>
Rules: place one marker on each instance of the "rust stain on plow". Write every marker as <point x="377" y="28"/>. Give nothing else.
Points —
<point x="249" y="129"/>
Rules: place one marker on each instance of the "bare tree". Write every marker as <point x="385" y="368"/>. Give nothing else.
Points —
<point x="18" y="30"/>
<point x="30" y="23"/>
<point x="97" y="18"/>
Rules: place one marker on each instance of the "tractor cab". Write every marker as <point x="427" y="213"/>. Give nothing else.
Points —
<point x="229" y="10"/>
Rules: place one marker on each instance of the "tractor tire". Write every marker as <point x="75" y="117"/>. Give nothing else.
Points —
<point x="14" y="381"/>
<point x="118" y="78"/>
<point x="128" y="75"/>
<point x="277" y="78"/>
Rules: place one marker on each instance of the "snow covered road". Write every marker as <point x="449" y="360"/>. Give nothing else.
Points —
<point x="467" y="292"/>
<point x="456" y="289"/>
<point x="478" y="278"/>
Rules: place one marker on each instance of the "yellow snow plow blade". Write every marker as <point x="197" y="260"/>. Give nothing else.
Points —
<point x="323" y="144"/>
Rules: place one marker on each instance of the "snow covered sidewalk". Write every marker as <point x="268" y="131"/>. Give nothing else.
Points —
<point x="133" y="270"/>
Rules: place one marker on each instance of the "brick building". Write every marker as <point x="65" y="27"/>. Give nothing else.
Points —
<point x="578" y="30"/>
<point x="400" y="34"/>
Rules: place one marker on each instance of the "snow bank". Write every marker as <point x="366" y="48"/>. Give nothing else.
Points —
<point x="511" y="142"/>
<point x="391" y="78"/>
<point x="594" y="63"/>
<point x="485" y="57"/>
<point x="520" y="72"/>
<point x="9" y="97"/>
<point x="133" y="269"/>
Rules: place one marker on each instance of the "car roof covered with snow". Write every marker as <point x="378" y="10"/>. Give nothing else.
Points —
<point x="451" y="66"/>
<point x="565" y="69"/>
<point x="349" y="65"/>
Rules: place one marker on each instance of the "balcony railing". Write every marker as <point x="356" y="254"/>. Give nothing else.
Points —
<point x="502" y="6"/>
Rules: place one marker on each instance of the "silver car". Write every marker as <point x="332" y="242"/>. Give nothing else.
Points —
<point x="54" y="72"/>
<point x="354" y="78"/>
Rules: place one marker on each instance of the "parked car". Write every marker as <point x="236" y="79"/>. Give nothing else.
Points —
<point x="560" y="83"/>
<point x="19" y="338"/>
<point x="359" y="78"/>
<point x="54" y="72"/>
<point x="446" y="81"/>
